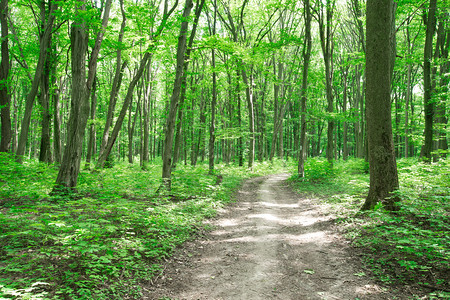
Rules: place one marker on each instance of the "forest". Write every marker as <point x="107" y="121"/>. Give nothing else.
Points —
<point x="125" y="124"/>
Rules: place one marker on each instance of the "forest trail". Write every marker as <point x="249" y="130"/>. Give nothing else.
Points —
<point x="271" y="244"/>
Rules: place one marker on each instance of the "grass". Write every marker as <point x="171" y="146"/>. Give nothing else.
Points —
<point x="409" y="247"/>
<point x="110" y="237"/>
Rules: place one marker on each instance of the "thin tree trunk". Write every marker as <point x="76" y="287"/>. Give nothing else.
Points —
<point x="212" y="126"/>
<point x="129" y="96"/>
<point x="44" y="46"/>
<point x="306" y="57"/>
<point x="441" y="119"/>
<point x="430" y="22"/>
<point x="251" y="115"/>
<point x="178" y="133"/>
<point x="56" y="123"/>
<point x="92" y="135"/>
<point x="171" y="118"/>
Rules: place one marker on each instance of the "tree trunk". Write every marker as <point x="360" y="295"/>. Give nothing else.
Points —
<point x="306" y="57"/>
<point x="146" y="109"/>
<point x="212" y="126"/>
<point x="171" y="118"/>
<point x="56" y="123"/>
<point x="44" y="46"/>
<point x="430" y="22"/>
<point x="70" y="166"/>
<point x="92" y="135"/>
<point x="44" y="153"/>
<point x="178" y="135"/>
<point x="5" y="96"/>
<point x="383" y="168"/>
<point x="81" y="90"/>
<point x="443" y="41"/>
<point x="129" y="96"/>
<point x="326" y="42"/>
<point x="251" y="114"/>
<point x="408" y="96"/>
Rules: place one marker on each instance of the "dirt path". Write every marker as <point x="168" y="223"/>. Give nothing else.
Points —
<point x="272" y="244"/>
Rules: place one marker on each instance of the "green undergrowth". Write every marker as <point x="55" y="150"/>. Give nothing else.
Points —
<point x="108" y="239"/>
<point x="408" y="247"/>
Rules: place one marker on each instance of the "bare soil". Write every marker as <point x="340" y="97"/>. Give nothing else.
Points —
<point x="271" y="244"/>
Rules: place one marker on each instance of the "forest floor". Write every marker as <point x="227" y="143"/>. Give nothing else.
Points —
<point x="272" y="243"/>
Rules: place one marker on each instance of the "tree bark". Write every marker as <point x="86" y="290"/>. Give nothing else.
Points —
<point x="326" y="42"/>
<point x="383" y="168"/>
<point x="118" y="74"/>
<point x="70" y="166"/>
<point x="44" y="99"/>
<point x="251" y="114"/>
<point x="5" y="96"/>
<point x="81" y="90"/>
<point x="443" y="41"/>
<point x="306" y="57"/>
<point x="178" y="134"/>
<point x="430" y="22"/>
<point x="56" y="122"/>
<point x="212" y="126"/>
<point x="92" y="135"/>
<point x="171" y="118"/>
<point x="43" y="53"/>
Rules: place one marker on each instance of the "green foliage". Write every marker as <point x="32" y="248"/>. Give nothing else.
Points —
<point x="318" y="170"/>
<point x="409" y="246"/>
<point x="103" y="242"/>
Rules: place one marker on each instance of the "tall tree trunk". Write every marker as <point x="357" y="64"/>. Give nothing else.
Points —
<point x="118" y="75"/>
<point x="326" y="42"/>
<point x="212" y="126"/>
<point x="171" y="118"/>
<point x="68" y="173"/>
<point x="44" y="153"/>
<point x="430" y="22"/>
<point x="443" y="41"/>
<point x="44" y="98"/>
<point x="240" y="145"/>
<point x="306" y="57"/>
<point x="146" y="109"/>
<point x="408" y="94"/>
<point x="345" y="151"/>
<point x="81" y="90"/>
<point x="43" y="54"/>
<point x="178" y="133"/>
<point x="383" y="168"/>
<point x="5" y="96"/>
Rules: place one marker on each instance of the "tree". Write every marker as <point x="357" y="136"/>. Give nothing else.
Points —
<point x="81" y="91"/>
<point x="430" y="22"/>
<point x="306" y="57"/>
<point x="43" y="54"/>
<point x="326" y="33"/>
<point x="383" y="168"/>
<point x="5" y="96"/>
<point x="170" y="124"/>
<point x="212" y="126"/>
<point x="104" y="153"/>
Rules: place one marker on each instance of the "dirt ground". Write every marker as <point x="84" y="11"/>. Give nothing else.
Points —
<point x="271" y="244"/>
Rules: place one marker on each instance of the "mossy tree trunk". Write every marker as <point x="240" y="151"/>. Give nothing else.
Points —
<point x="383" y="168"/>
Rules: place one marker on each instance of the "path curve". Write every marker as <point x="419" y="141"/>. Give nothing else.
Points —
<point x="271" y="244"/>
